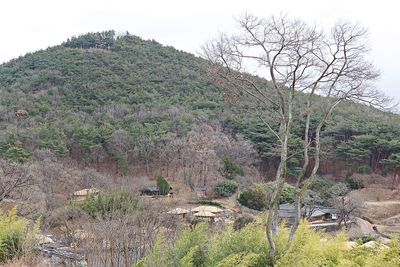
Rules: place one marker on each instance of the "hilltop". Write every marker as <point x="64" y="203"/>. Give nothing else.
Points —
<point x="101" y="98"/>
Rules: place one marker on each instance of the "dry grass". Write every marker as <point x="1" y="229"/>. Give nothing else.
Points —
<point x="31" y="261"/>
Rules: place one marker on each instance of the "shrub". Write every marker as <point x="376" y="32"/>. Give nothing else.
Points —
<point x="242" y="222"/>
<point x="163" y="185"/>
<point x="210" y="203"/>
<point x="230" y="169"/>
<point x="366" y="239"/>
<point x="353" y="184"/>
<point x="108" y="205"/>
<point x="16" y="237"/>
<point x="253" y="198"/>
<point x="364" y="169"/>
<point x="287" y="194"/>
<point x="225" y="188"/>
<point x="248" y="247"/>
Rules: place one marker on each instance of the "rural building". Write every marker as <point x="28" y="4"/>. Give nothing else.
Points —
<point x="153" y="190"/>
<point x="150" y="190"/>
<point x="81" y="195"/>
<point x="207" y="212"/>
<point x="180" y="212"/>
<point x="200" y="190"/>
<point x="204" y="215"/>
<point x="321" y="213"/>
<point x="287" y="212"/>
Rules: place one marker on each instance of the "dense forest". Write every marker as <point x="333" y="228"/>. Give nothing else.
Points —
<point x="101" y="97"/>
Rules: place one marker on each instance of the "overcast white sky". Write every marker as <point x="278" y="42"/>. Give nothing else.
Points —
<point x="27" y="26"/>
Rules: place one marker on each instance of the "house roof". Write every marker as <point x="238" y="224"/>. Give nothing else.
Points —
<point x="86" y="191"/>
<point x="288" y="210"/>
<point x="204" y="214"/>
<point x="152" y="188"/>
<point x="286" y="213"/>
<point x="178" y="211"/>
<point x="211" y="209"/>
<point x="200" y="187"/>
<point x="286" y="206"/>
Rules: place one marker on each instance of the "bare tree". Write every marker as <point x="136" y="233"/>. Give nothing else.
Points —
<point x="14" y="178"/>
<point x="283" y="49"/>
<point x="145" y="148"/>
<point x="297" y="58"/>
<point x="342" y="74"/>
<point x="348" y="207"/>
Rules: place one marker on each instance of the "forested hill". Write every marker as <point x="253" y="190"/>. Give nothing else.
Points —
<point x="101" y="97"/>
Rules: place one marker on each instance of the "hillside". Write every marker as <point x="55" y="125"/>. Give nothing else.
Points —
<point x="102" y="99"/>
<point x="116" y="149"/>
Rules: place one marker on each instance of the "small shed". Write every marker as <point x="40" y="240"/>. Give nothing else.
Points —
<point x="81" y="195"/>
<point x="150" y="190"/>
<point x="179" y="212"/>
<point x="200" y="190"/>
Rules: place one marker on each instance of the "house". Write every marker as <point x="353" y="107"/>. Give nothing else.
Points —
<point x="180" y="212"/>
<point x="153" y="190"/>
<point x="150" y="190"/>
<point x="320" y="213"/>
<point x="212" y="209"/>
<point x="205" y="215"/>
<point x="287" y="212"/>
<point x="81" y="195"/>
<point x="200" y="190"/>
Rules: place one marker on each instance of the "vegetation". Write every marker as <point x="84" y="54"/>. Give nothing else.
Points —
<point x="253" y="198"/>
<point x="230" y="169"/>
<point x="17" y="237"/>
<point x="109" y="205"/>
<point x="100" y="96"/>
<point x="225" y="188"/>
<point x="247" y="247"/>
<point x="135" y="108"/>
<point x="163" y="185"/>
<point x="242" y="222"/>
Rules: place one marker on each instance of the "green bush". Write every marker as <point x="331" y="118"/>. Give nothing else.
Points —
<point x="109" y="205"/>
<point x="364" y="169"/>
<point x="225" y="188"/>
<point x="287" y="194"/>
<point x="230" y="169"/>
<point x="163" y="185"/>
<point x="353" y="184"/>
<point x="253" y="198"/>
<point x="16" y="237"/>
<point x="366" y="239"/>
<point x="248" y="247"/>
<point x="242" y="222"/>
<point x="210" y="203"/>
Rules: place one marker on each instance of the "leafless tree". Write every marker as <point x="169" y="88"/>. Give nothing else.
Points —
<point x="297" y="58"/>
<point x="282" y="48"/>
<point x="145" y="148"/>
<point x="342" y="74"/>
<point x="120" y="144"/>
<point x="14" y="178"/>
<point x="348" y="207"/>
<point x="124" y="239"/>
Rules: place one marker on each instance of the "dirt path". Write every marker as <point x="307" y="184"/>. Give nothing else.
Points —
<point x="382" y="203"/>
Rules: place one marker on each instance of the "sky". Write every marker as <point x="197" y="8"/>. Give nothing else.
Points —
<point x="28" y="26"/>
